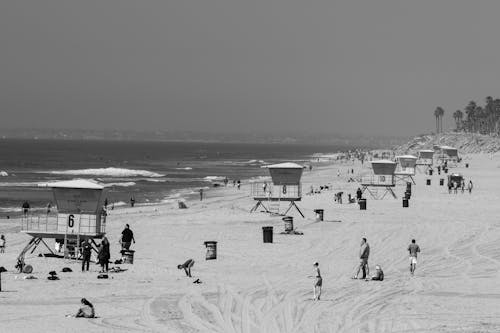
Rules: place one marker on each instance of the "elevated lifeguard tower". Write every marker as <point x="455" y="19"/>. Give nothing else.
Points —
<point x="285" y="186"/>
<point x="425" y="159"/>
<point x="80" y="215"/>
<point x="448" y="154"/>
<point x="383" y="178"/>
<point x="405" y="168"/>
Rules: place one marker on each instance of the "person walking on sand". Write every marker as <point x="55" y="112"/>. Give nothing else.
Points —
<point x="201" y="194"/>
<point x="469" y="187"/>
<point x="127" y="237"/>
<point x="132" y="201"/>
<point x="413" y="249"/>
<point x="318" y="282"/>
<point x="86" y="252"/>
<point x="364" y="253"/>
<point x="187" y="267"/>
<point x="2" y="244"/>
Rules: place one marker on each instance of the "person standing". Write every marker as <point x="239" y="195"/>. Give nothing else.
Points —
<point x="469" y="187"/>
<point x="359" y="194"/>
<point x="49" y="207"/>
<point x="364" y="253"/>
<point x="86" y="252"/>
<point x="318" y="282"/>
<point x="127" y="237"/>
<point x="104" y="255"/>
<point x="132" y="201"/>
<point x="413" y="249"/>
<point x="26" y="207"/>
<point x="201" y="194"/>
<point x="2" y="244"/>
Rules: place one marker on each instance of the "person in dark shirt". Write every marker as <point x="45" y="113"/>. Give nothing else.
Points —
<point x="127" y="237"/>
<point x="86" y="251"/>
<point x="104" y="255"/>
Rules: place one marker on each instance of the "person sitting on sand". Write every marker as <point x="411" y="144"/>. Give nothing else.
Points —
<point x="86" y="311"/>
<point x="187" y="267"/>
<point x="379" y="274"/>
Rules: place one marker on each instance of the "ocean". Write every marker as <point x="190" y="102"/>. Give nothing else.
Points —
<point x="151" y="172"/>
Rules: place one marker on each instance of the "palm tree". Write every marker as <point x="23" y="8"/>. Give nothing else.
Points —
<point x="470" y="110"/>
<point x="441" y="114"/>
<point x="457" y="115"/>
<point x="436" y="114"/>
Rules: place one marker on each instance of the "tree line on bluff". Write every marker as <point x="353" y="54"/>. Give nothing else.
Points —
<point x="478" y="119"/>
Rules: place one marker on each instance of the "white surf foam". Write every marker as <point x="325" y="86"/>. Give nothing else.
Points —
<point x="123" y="184"/>
<point x="213" y="178"/>
<point x="186" y="168"/>
<point x="3" y="174"/>
<point x="110" y="172"/>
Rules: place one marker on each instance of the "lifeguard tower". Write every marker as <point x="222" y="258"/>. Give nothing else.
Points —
<point x="425" y="160"/>
<point x="80" y="215"/>
<point x="382" y="181"/>
<point x="285" y="186"/>
<point x="405" y="168"/>
<point x="448" y="154"/>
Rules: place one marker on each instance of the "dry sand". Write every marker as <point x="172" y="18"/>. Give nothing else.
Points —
<point x="256" y="287"/>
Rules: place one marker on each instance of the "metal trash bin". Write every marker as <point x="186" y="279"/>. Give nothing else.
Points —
<point x="441" y="182"/>
<point x="405" y="203"/>
<point x="319" y="214"/>
<point x="128" y="256"/>
<point x="267" y="234"/>
<point x="466" y="165"/>
<point x="211" y="250"/>
<point x="428" y="182"/>
<point x="288" y="223"/>
<point x="362" y="204"/>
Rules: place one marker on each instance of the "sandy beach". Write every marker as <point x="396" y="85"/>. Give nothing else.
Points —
<point x="256" y="287"/>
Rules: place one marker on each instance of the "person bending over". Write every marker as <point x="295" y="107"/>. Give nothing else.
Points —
<point x="187" y="267"/>
<point x="86" y="311"/>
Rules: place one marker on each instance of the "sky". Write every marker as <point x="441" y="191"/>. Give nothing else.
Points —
<point x="375" y="67"/>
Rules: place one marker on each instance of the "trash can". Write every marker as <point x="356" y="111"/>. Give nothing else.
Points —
<point x="405" y="202"/>
<point x="407" y="195"/>
<point x="128" y="256"/>
<point x="267" y="233"/>
<point x="441" y="182"/>
<point x="362" y="204"/>
<point x="466" y="165"/>
<point x="319" y="214"/>
<point x="288" y="224"/>
<point x="430" y="172"/>
<point x="211" y="250"/>
<point x="428" y="181"/>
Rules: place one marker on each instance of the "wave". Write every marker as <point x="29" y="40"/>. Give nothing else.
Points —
<point x="124" y="184"/>
<point x="110" y="172"/>
<point x="3" y="174"/>
<point x="156" y="180"/>
<point x="213" y="178"/>
<point x="20" y="184"/>
<point x="186" y="168"/>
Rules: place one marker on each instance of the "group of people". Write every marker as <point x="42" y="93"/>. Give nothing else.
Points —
<point x="104" y="253"/>
<point x="364" y="254"/>
<point x="454" y="186"/>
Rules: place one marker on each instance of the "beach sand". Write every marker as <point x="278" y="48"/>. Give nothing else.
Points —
<point x="256" y="287"/>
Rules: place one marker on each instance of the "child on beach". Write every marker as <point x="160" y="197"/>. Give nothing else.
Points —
<point x="2" y="244"/>
<point x="379" y="274"/>
<point x="318" y="282"/>
<point x="187" y="267"/>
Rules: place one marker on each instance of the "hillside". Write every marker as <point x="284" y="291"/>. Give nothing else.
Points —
<point x="465" y="142"/>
